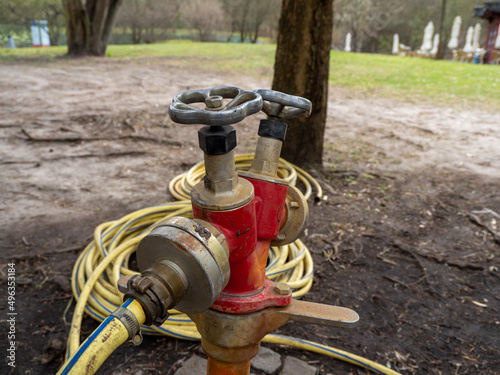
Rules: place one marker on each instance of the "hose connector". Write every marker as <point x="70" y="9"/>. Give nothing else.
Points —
<point x="184" y="264"/>
<point x="129" y="320"/>
<point x="158" y="288"/>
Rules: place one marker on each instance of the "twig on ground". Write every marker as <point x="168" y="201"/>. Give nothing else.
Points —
<point x="415" y="255"/>
<point x="487" y="211"/>
<point x="176" y="365"/>
<point x="32" y="137"/>
<point x="394" y="280"/>
<point x="55" y="298"/>
<point x="65" y="250"/>
<point x="43" y="254"/>
<point x="106" y="155"/>
<point x="478" y="221"/>
<point x="70" y="302"/>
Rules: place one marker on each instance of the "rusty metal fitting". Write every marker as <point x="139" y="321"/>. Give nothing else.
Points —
<point x="267" y="156"/>
<point x="157" y="289"/>
<point x="282" y="288"/>
<point x="221" y="189"/>
<point x="297" y="214"/>
<point x="232" y="340"/>
<point x="191" y="256"/>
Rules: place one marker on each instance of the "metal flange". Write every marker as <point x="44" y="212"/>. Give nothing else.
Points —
<point x="198" y="249"/>
<point x="296" y="220"/>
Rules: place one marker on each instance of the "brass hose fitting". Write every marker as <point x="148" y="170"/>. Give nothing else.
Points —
<point x="184" y="264"/>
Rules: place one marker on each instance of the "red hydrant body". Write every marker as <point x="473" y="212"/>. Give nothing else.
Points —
<point x="249" y="231"/>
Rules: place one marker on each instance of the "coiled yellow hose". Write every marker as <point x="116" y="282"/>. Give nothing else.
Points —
<point x="105" y="260"/>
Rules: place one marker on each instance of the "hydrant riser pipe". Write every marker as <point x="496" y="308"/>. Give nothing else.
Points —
<point x="221" y="368"/>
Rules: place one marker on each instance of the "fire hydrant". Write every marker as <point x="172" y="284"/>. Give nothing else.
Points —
<point x="212" y="267"/>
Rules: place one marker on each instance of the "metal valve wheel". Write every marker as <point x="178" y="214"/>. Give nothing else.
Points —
<point x="283" y="105"/>
<point x="216" y="113"/>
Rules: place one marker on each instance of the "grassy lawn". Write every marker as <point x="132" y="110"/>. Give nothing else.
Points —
<point x="439" y="82"/>
<point x="367" y="75"/>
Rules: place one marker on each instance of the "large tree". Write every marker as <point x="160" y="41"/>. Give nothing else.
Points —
<point x="89" y="24"/>
<point x="442" y="39"/>
<point x="301" y="68"/>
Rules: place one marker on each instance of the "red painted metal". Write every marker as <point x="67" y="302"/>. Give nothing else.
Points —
<point x="246" y="304"/>
<point x="270" y="206"/>
<point x="239" y="228"/>
<point x="249" y="231"/>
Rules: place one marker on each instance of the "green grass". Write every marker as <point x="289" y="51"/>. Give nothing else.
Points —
<point x="356" y="74"/>
<point x="31" y="54"/>
<point x="216" y="56"/>
<point x="439" y="82"/>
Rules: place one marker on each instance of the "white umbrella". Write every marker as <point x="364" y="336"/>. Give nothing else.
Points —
<point x="468" y="40"/>
<point x="427" y="42"/>
<point x="348" y="38"/>
<point x="435" y="44"/>
<point x="497" y="43"/>
<point x="455" y="31"/>
<point x="395" y="44"/>
<point x="477" y="36"/>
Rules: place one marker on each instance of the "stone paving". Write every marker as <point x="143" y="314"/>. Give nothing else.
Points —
<point x="266" y="362"/>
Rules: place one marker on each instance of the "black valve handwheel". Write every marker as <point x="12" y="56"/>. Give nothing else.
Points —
<point x="283" y="105"/>
<point x="216" y="113"/>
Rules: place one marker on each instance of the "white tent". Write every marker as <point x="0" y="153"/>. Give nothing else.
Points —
<point x="348" y="38"/>
<point x="468" y="40"/>
<point x="395" y="44"/>
<point x="427" y="42"/>
<point x="497" y="43"/>
<point x="435" y="45"/>
<point x="476" y="37"/>
<point x="455" y="32"/>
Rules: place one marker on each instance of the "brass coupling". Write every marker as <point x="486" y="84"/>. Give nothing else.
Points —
<point x="157" y="289"/>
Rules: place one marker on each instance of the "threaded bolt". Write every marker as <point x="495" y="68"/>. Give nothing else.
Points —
<point x="282" y="288"/>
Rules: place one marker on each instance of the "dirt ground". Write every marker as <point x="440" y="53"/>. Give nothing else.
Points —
<point x="408" y="234"/>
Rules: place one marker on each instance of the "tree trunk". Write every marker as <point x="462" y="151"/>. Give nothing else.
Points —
<point x="301" y="68"/>
<point x="243" y="21"/>
<point x="77" y="27"/>
<point x="89" y="26"/>
<point x="441" y="47"/>
<point x="255" y="36"/>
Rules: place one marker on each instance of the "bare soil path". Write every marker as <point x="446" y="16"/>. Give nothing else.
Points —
<point x="403" y="238"/>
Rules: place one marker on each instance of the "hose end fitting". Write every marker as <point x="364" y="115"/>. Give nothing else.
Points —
<point x="158" y="288"/>
<point x="129" y="320"/>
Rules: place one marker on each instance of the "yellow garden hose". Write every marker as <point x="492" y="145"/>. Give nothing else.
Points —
<point x="106" y="258"/>
<point x="91" y="354"/>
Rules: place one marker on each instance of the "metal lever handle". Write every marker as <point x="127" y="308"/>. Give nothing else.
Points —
<point x="317" y="313"/>
<point x="283" y="105"/>
<point x="216" y="113"/>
